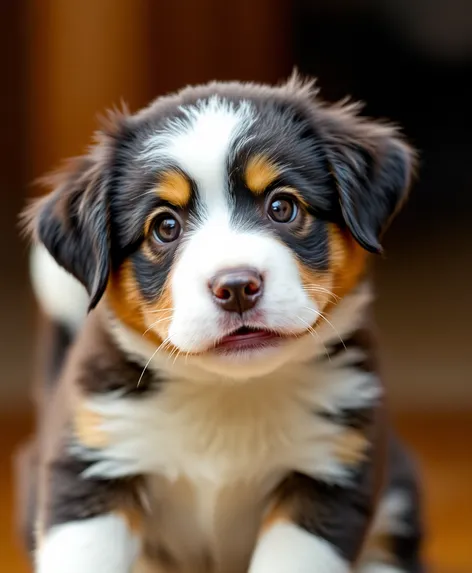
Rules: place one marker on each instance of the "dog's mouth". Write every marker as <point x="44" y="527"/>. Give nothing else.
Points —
<point x="248" y="338"/>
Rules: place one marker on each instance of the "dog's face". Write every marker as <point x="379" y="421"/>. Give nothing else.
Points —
<point x="225" y="222"/>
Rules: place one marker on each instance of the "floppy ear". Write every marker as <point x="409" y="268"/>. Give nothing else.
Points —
<point x="372" y="168"/>
<point x="72" y="223"/>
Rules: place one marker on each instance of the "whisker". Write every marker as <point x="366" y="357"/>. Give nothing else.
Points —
<point x="330" y="296"/>
<point x="160" y="310"/>
<point x="314" y="288"/>
<point x="175" y="351"/>
<point x="333" y="327"/>
<point x="176" y="356"/>
<point x="145" y="367"/>
<point x="152" y="356"/>
<point x="317" y="287"/>
<point x="313" y="332"/>
<point x="154" y="324"/>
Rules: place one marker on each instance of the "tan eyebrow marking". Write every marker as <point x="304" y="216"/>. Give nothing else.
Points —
<point x="175" y="188"/>
<point x="260" y="173"/>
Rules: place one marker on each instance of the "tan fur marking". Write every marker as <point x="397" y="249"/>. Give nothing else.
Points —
<point x="379" y="548"/>
<point x="260" y="173"/>
<point x="125" y="299"/>
<point x="133" y="518"/>
<point x="350" y="447"/>
<point x="128" y="305"/>
<point x="87" y="428"/>
<point x="277" y="515"/>
<point x="174" y="188"/>
<point x="348" y="260"/>
<point x="144" y="565"/>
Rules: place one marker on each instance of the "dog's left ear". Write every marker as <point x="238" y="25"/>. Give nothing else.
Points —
<point x="372" y="168"/>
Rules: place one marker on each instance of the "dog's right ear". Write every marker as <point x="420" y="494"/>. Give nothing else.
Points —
<point x="72" y="222"/>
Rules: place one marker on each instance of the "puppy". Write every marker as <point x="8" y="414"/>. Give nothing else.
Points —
<point x="218" y="407"/>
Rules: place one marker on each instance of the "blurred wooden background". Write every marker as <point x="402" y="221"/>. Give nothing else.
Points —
<point x="63" y="62"/>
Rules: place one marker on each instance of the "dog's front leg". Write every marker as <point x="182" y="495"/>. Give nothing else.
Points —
<point x="313" y="527"/>
<point x="81" y="527"/>
<point x="101" y="544"/>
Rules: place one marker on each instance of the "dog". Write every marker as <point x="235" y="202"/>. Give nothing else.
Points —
<point x="215" y="403"/>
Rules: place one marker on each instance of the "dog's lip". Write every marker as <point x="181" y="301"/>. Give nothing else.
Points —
<point x="247" y="337"/>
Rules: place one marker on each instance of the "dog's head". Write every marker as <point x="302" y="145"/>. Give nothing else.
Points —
<point x="225" y="221"/>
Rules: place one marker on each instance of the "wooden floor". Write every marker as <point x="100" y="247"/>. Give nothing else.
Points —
<point x="443" y="443"/>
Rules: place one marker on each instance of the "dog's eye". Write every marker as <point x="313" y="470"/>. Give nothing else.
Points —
<point x="166" y="228"/>
<point x="282" y="208"/>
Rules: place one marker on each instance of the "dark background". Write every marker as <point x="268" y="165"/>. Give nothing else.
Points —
<point x="64" y="61"/>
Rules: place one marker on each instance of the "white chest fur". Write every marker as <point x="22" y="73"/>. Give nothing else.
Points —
<point x="211" y="453"/>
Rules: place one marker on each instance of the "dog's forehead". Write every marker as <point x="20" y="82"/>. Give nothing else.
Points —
<point x="222" y="145"/>
<point x="215" y="137"/>
<point x="201" y="141"/>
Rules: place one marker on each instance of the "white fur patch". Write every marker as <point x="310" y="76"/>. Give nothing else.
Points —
<point x="60" y="295"/>
<point x="287" y="548"/>
<point x="98" y="545"/>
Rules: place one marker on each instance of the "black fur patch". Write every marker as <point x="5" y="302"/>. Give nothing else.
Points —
<point x="100" y="375"/>
<point x="74" y="498"/>
<point x="406" y="546"/>
<point x="100" y="367"/>
<point x="61" y="340"/>
<point x="151" y="275"/>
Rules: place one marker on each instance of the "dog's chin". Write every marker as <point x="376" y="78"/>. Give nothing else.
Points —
<point x="247" y="354"/>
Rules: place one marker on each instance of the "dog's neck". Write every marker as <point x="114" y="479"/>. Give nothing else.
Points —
<point x="347" y="317"/>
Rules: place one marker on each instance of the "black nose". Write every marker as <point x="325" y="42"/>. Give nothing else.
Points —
<point x="236" y="290"/>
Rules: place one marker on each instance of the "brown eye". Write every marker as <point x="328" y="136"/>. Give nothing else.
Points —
<point x="167" y="228"/>
<point x="282" y="209"/>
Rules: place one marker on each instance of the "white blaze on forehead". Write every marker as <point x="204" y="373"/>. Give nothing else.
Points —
<point x="200" y="143"/>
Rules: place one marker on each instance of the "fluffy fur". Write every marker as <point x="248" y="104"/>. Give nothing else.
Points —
<point x="218" y="439"/>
